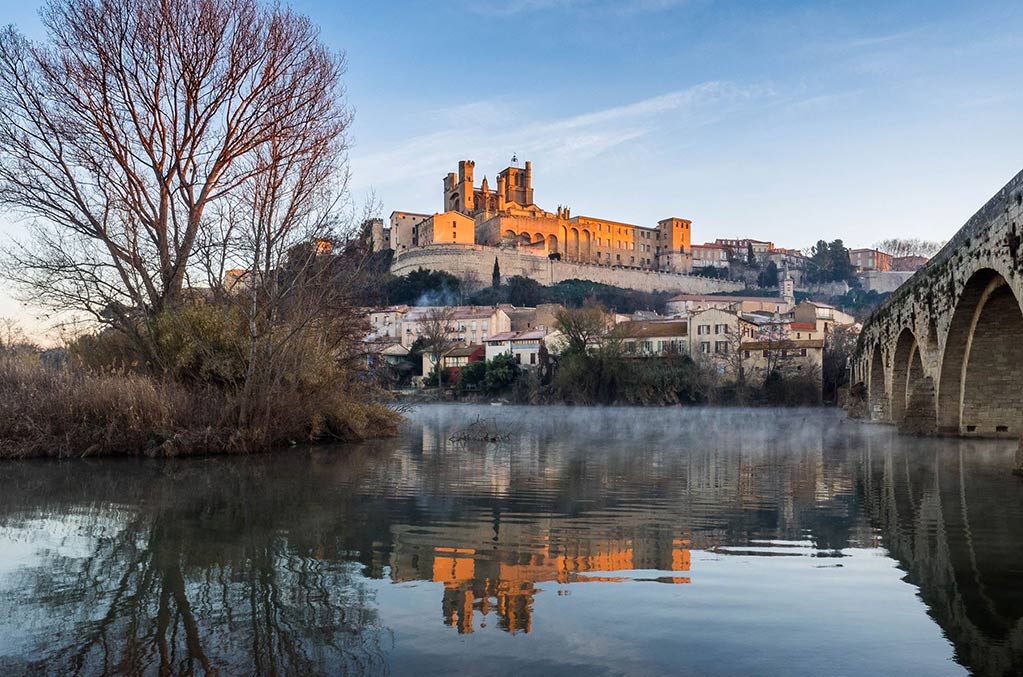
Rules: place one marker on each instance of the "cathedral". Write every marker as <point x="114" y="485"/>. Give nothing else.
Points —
<point x="506" y="216"/>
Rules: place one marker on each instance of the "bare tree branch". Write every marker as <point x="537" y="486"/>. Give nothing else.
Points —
<point x="130" y="139"/>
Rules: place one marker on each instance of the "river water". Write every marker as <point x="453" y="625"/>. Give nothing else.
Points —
<point x="585" y="541"/>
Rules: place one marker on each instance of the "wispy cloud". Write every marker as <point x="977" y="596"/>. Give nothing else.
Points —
<point x="487" y="131"/>
<point x="607" y="7"/>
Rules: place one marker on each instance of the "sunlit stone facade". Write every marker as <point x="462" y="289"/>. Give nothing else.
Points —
<point x="507" y="216"/>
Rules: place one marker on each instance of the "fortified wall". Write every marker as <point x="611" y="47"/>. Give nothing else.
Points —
<point x="477" y="262"/>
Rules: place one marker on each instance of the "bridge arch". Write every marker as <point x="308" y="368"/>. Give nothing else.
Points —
<point x="979" y="391"/>
<point x="906" y="349"/>
<point x="876" y="388"/>
<point x="919" y="415"/>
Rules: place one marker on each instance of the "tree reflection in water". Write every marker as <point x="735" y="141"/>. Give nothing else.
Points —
<point x="187" y="573"/>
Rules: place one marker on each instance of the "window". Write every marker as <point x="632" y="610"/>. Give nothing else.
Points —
<point x="705" y="347"/>
<point x="746" y="354"/>
<point x="721" y="347"/>
<point x="703" y="330"/>
<point x="532" y="358"/>
<point x="767" y="353"/>
<point x="802" y="352"/>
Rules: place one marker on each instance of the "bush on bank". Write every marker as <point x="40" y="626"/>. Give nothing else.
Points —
<point x="187" y="390"/>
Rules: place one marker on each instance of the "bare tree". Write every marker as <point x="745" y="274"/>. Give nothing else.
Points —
<point x="727" y="349"/>
<point x="11" y="334"/>
<point x="899" y="247"/>
<point x="777" y="343"/>
<point x="144" y="132"/>
<point x="436" y="328"/>
<point x="582" y="326"/>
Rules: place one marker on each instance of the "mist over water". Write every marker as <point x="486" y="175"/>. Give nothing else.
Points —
<point x="592" y="541"/>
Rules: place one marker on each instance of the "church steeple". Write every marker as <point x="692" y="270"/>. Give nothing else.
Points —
<point x="787" y="289"/>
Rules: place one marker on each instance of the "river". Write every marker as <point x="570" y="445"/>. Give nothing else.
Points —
<point x="583" y="541"/>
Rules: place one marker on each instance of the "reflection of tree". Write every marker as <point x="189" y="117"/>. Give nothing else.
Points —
<point x="204" y="579"/>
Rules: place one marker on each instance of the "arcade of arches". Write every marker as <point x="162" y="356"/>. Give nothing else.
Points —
<point x="944" y="353"/>
<point x="971" y="382"/>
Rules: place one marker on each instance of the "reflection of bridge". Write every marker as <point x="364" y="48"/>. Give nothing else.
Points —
<point x="950" y="514"/>
<point x="945" y="353"/>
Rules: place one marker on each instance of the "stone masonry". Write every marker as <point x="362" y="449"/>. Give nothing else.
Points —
<point x="944" y="354"/>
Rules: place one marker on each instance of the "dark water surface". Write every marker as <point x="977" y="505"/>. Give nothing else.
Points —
<point x="593" y="541"/>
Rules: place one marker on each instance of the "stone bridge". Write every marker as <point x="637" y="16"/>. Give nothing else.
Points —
<point x="944" y="353"/>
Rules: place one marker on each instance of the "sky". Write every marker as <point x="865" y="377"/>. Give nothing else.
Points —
<point x="781" y="121"/>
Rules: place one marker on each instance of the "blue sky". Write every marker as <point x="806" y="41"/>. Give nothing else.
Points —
<point x="784" y="121"/>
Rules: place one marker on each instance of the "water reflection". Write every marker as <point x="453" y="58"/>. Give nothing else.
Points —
<point x="952" y="514"/>
<point x="352" y="560"/>
<point x="180" y="569"/>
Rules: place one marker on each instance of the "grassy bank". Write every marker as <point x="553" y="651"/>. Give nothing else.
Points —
<point x="73" y="412"/>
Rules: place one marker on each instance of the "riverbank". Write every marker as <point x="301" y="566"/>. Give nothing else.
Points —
<point x="70" y="413"/>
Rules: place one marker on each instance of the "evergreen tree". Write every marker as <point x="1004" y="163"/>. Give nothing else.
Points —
<point x="496" y="276"/>
<point x="751" y="258"/>
<point x="830" y="262"/>
<point x="841" y="267"/>
<point x="543" y="358"/>
<point x="769" y="275"/>
<point x="820" y="262"/>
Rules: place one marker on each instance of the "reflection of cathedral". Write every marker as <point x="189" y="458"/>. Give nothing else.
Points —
<point x="498" y="560"/>
<point x="478" y="581"/>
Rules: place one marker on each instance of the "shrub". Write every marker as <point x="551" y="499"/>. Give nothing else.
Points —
<point x="187" y="386"/>
<point x="501" y="374"/>
<point x="73" y="412"/>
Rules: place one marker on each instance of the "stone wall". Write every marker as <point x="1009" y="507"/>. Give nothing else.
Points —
<point x="477" y="262"/>
<point x="824" y="289"/>
<point x="883" y="281"/>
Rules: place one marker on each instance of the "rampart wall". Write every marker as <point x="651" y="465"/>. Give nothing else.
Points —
<point x="477" y="262"/>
